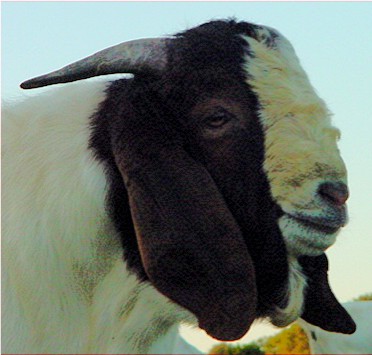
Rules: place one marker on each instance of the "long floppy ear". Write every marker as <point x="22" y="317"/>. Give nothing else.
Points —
<point x="191" y="247"/>
<point x="321" y="306"/>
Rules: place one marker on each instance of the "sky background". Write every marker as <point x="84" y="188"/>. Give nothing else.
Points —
<point x="333" y="41"/>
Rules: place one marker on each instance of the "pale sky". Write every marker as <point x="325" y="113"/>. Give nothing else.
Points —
<point x="333" y="41"/>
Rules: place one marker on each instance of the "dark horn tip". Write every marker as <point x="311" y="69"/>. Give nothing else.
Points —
<point x="43" y="81"/>
<point x="33" y="84"/>
<point x="27" y="85"/>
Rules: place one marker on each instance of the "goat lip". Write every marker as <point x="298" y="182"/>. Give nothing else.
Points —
<point x="319" y="225"/>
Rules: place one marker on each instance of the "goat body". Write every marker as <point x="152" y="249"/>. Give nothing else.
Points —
<point x="206" y="173"/>
<point x="66" y="257"/>
<point x="322" y="342"/>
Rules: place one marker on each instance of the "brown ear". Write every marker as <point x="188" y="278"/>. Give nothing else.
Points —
<point x="191" y="247"/>
<point x="321" y="306"/>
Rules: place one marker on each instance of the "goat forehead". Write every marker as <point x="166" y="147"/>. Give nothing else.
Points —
<point x="300" y="142"/>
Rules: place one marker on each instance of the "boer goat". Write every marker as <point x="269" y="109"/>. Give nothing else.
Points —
<point x="203" y="190"/>
<point x="322" y="342"/>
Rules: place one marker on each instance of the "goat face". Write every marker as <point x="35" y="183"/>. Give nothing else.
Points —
<point x="302" y="162"/>
<point x="220" y="151"/>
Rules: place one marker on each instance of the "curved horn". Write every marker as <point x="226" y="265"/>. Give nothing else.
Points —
<point x="126" y="57"/>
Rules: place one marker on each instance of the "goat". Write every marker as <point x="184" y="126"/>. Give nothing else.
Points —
<point x="322" y="342"/>
<point x="204" y="189"/>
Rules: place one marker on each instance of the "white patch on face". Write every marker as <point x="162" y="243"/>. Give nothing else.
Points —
<point x="300" y="143"/>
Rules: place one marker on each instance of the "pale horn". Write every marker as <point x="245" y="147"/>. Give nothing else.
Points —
<point x="127" y="57"/>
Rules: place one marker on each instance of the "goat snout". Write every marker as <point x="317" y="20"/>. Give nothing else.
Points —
<point x="334" y="193"/>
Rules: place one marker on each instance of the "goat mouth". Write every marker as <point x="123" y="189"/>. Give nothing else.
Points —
<point x="309" y="235"/>
<point x="319" y="227"/>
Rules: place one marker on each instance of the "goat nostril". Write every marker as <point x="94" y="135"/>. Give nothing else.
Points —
<point x="334" y="192"/>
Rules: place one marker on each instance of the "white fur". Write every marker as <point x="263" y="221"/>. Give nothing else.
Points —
<point x="295" y="293"/>
<point x="65" y="286"/>
<point x="334" y="343"/>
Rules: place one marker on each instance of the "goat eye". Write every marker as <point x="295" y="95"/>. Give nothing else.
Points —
<point x="218" y="119"/>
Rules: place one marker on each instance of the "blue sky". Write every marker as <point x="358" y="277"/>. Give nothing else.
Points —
<point x="332" y="39"/>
